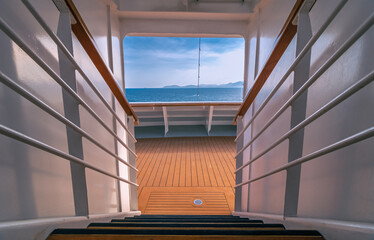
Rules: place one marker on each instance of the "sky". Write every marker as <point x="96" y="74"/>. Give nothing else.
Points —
<point x="154" y="62"/>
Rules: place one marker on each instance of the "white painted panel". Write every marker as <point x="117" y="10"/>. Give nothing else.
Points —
<point x="33" y="184"/>
<point x="94" y="14"/>
<point x="339" y="185"/>
<point x="267" y="195"/>
<point x="273" y="15"/>
<point x="260" y="191"/>
<point x="116" y="46"/>
<point x="102" y="190"/>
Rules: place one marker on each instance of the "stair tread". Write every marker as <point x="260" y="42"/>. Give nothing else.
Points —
<point x="164" y="227"/>
<point x="186" y="225"/>
<point x="185" y="220"/>
<point x="187" y="232"/>
<point x="187" y="216"/>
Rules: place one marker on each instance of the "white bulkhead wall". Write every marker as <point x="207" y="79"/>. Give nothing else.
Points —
<point x="338" y="185"/>
<point x="35" y="184"/>
<point x="102" y="190"/>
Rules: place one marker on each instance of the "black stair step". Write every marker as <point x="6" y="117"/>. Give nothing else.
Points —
<point x="236" y="226"/>
<point x="181" y="234"/>
<point x="211" y="220"/>
<point x="186" y="216"/>
<point x="181" y="223"/>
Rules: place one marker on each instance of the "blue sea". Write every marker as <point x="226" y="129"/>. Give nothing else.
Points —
<point x="184" y="94"/>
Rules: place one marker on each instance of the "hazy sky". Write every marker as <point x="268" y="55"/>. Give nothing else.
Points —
<point x="154" y="62"/>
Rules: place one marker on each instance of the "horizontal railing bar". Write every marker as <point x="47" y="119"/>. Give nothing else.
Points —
<point x="348" y="43"/>
<point x="368" y="133"/>
<point x="29" y="96"/>
<point x="184" y="104"/>
<point x="338" y="99"/>
<point x="62" y="47"/>
<point x="299" y="57"/>
<point x="40" y="145"/>
<point x="7" y="30"/>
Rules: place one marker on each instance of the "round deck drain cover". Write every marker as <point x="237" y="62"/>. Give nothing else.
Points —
<point x="198" y="202"/>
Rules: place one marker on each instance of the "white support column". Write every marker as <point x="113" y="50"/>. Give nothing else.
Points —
<point x="132" y="173"/>
<point x="166" y="123"/>
<point x="246" y="65"/>
<point x="114" y="120"/>
<point x="239" y="163"/>
<point x="210" y="118"/>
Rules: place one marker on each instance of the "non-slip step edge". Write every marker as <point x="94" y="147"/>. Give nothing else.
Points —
<point x="171" y="225"/>
<point x="186" y="220"/>
<point x="187" y="216"/>
<point x="186" y="232"/>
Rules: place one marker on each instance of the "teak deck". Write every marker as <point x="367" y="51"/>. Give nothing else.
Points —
<point x="175" y="171"/>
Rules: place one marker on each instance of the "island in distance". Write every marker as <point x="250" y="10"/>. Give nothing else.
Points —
<point x="238" y="84"/>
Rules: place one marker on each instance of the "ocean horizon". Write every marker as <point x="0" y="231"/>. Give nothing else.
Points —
<point x="184" y="94"/>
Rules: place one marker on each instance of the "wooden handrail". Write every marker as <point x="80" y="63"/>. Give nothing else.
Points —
<point x="284" y="38"/>
<point x="183" y="104"/>
<point x="85" y="38"/>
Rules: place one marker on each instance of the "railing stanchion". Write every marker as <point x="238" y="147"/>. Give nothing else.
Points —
<point x="132" y="174"/>
<point x="239" y="163"/>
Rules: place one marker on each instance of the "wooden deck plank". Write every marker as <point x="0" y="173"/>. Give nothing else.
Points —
<point x="148" y="167"/>
<point x="143" y="158"/>
<point x="182" y="176"/>
<point x="197" y="172"/>
<point x="173" y="160"/>
<point x="161" y="168"/>
<point x="203" y="166"/>
<point x="186" y="166"/>
<point x="156" y="166"/>
<point x="178" y="161"/>
<point x="167" y="164"/>
<point x="228" y="156"/>
<point x="223" y="164"/>
<point x="209" y="163"/>
<point x="217" y="158"/>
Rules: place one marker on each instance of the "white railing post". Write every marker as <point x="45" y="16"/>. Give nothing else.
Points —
<point x="210" y="119"/>
<point x="132" y="174"/>
<point x="239" y="163"/>
<point x="166" y="122"/>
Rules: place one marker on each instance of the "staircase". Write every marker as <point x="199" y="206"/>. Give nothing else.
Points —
<point x="181" y="227"/>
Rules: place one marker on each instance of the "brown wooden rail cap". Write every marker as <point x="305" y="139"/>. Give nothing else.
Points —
<point x="85" y="38"/>
<point x="285" y="37"/>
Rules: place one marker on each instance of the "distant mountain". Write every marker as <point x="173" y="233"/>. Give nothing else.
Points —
<point x="226" y="85"/>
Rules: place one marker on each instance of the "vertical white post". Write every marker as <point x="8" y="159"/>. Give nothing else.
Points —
<point x="132" y="174"/>
<point x="246" y="65"/>
<point x="210" y="118"/>
<point x="166" y="123"/>
<point x="239" y="163"/>
<point x="114" y="120"/>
